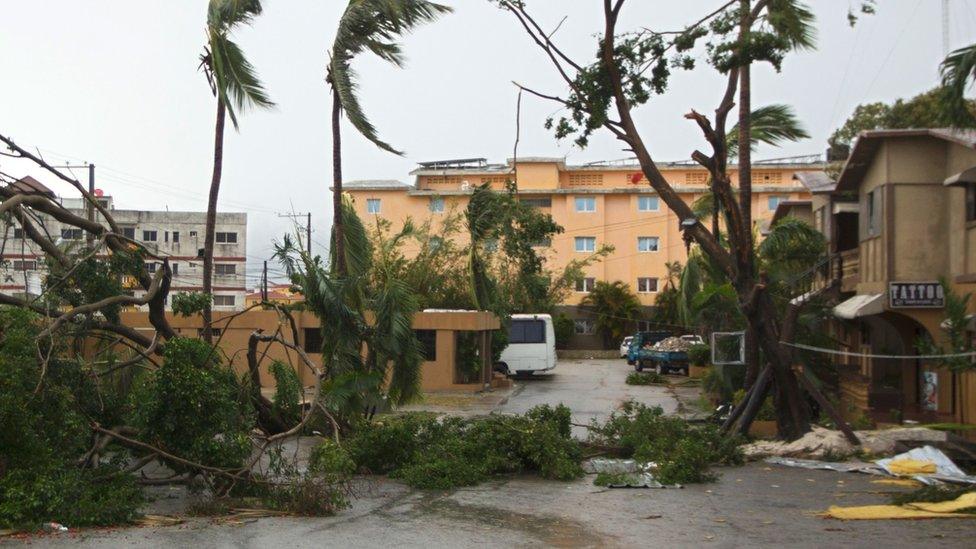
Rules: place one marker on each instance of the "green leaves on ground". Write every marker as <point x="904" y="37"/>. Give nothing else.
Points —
<point x="439" y="454"/>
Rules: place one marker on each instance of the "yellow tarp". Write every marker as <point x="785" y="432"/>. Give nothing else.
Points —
<point x="909" y="466"/>
<point x="964" y="501"/>
<point x="906" y="482"/>
<point x="919" y="510"/>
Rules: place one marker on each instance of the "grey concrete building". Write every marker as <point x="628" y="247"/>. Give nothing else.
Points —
<point x="178" y="236"/>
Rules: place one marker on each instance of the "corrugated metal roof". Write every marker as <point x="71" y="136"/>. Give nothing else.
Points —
<point x="377" y="184"/>
<point x="815" y="182"/>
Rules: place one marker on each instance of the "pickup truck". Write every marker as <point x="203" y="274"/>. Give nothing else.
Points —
<point x="639" y="340"/>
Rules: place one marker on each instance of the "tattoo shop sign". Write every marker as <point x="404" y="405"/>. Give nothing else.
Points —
<point x="905" y="295"/>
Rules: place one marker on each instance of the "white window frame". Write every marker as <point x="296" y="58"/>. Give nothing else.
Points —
<point x="233" y="300"/>
<point x="146" y="233"/>
<point x="588" y="202"/>
<point x="655" y="239"/>
<point x="588" y="283"/>
<point x="777" y="198"/>
<point x="436" y="205"/>
<point x="374" y="206"/>
<point x="219" y="266"/>
<point x="641" y="279"/>
<point x="587" y="242"/>
<point x="652" y="198"/>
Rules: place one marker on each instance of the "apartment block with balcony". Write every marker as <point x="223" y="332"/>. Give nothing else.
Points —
<point x="900" y="219"/>
<point x="177" y="236"/>
<point x="598" y="203"/>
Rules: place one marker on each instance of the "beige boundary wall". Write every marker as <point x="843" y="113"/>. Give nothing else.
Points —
<point x="235" y="330"/>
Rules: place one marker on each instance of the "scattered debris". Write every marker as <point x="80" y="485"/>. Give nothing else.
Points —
<point x="624" y="473"/>
<point x="820" y="443"/>
<point x="154" y="521"/>
<point x="55" y="527"/>
<point x="917" y="510"/>
<point x="927" y="465"/>
<point x="670" y="344"/>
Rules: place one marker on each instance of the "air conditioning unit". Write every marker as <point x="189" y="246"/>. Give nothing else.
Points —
<point x="465" y="186"/>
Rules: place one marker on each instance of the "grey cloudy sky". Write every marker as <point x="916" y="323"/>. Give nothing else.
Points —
<point x="115" y="82"/>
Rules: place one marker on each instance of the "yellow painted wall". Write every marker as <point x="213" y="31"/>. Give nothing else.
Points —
<point x="616" y="220"/>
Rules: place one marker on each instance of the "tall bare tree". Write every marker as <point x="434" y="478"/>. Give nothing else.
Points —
<point x="634" y="64"/>
<point x="235" y="84"/>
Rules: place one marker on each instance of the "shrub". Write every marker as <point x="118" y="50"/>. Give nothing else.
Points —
<point x="645" y="378"/>
<point x="190" y="303"/>
<point x="308" y="495"/>
<point x="431" y="454"/>
<point x="699" y="354"/>
<point x="330" y="459"/>
<point x="194" y="407"/>
<point x="288" y="391"/>
<point x="682" y="451"/>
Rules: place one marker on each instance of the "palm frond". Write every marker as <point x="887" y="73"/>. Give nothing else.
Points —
<point x="794" y="21"/>
<point x="958" y="70"/>
<point x="359" y="250"/>
<point x="374" y="26"/>
<point x="772" y="125"/>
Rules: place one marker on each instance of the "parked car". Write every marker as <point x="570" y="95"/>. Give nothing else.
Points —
<point x="531" y="346"/>
<point x="625" y="346"/>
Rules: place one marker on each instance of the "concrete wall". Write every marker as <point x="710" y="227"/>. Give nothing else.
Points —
<point x="437" y="375"/>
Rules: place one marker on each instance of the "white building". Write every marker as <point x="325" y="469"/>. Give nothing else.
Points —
<point x="177" y="236"/>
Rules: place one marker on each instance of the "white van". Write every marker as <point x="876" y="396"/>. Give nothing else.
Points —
<point x="531" y="346"/>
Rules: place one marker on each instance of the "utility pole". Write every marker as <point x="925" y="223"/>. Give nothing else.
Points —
<point x="89" y="207"/>
<point x="264" y="283"/>
<point x="308" y="227"/>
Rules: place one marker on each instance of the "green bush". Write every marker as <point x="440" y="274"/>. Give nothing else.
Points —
<point x="330" y="459"/>
<point x="194" y="407"/>
<point x="645" y="378"/>
<point x="699" y="354"/>
<point x="683" y="451"/>
<point x="288" y="392"/>
<point x="432" y="454"/>
<point x="563" y="327"/>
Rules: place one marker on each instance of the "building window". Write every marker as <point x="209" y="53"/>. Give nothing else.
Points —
<point x="436" y="242"/>
<point x="527" y="331"/>
<point x="537" y="202"/>
<point x="585" y="204"/>
<point x="223" y="300"/>
<point x="647" y="204"/>
<point x="149" y="236"/>
<point x="436" y="205"/>
<point x="970" y="203"/>
<point x="428" y="343"/>
<point x="773" y="202"/>
<point x="151" y="267"/>
<point x="647" y="243"/>
<point x="175" y="268"/>
<point x="25" y="265"/>
<point x="647" y="285"/>
<point x="491" y="245"/>
<point x="216" y="332"/>
<point x="176" y="237"/>
<point x="373" y="205"/>
<point x="225" y="269"/>
<point x="71" y="234"/>
<point x="543" y="243"/>
<point x="193" y="234"/>
<point x="584" y="326"/>
<point x="585" y="243"/>
<point x="313" y="340"/>
<point x="129" y="232"/>
<point x="18" y="233"/>
<point x="227" y="238"/>
<point x="873" y="205"/>
<point x="585" y="284"/>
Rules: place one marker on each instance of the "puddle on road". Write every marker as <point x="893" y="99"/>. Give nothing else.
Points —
<point x="553" y="531"/>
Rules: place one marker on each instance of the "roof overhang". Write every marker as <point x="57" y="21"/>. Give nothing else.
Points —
<point x="846" y="207"/>
<point x="860" y="305"/>
<point x="962" y="178"/>
<point x="786" y="208"/>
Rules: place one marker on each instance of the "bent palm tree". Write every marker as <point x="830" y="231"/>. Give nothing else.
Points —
<point x="958" y="70"/>
<point x="372" y="25"/>
<point x="235" y="84"/>
<point x="616" y="308"/>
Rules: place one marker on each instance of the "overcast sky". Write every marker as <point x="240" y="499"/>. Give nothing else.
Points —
<point x="115" y="82"/>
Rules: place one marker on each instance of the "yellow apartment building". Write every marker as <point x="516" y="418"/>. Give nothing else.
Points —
<point x="597" y="203"/>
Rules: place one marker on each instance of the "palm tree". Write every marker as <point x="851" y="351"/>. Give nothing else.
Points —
<point x="372" y="25"/>
<point x="235" y="84"/>
<point x="958" y="70"/>
<point x="616" y="308"/>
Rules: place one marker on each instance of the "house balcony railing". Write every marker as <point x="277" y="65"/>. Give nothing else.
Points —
<point x="849" y="269"/>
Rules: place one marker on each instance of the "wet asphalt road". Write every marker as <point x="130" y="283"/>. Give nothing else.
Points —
<point x="751" y="506"/>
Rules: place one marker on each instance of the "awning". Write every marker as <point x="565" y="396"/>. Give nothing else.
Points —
<point x="961" y="178"/>
<point x="846" y="207"/>
<point x="860" y="305"/>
